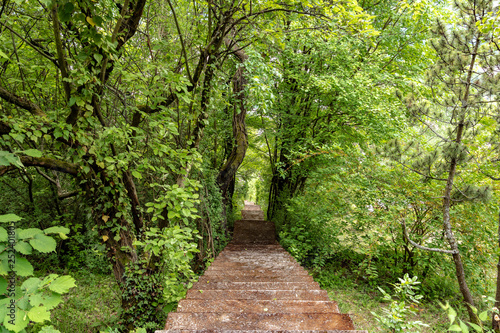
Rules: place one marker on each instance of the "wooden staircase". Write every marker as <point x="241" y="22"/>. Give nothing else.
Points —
<point x="254" y="285"/>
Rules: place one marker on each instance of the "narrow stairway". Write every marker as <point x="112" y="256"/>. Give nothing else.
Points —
<point x="254" y="285"/>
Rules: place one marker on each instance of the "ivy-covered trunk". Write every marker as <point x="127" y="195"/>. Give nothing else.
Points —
<point x="226" y="176"/>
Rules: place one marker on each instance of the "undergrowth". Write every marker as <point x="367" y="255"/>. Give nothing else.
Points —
<point x="93" y="306"/>
<point x="360" y="297"/>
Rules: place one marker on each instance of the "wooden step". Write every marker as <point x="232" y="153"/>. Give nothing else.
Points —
<point x="257" y="306"/>
<point x="261" y="258"/>
<point x="258" y="331"/>
<point x="235" y="273"/>
<point x="257" y="286"/>
<point x="259" y="321"/>
<point x="251" y="206"/>
<point x="234" y="246"/>
<point x="227" y="265"/>
<point x="254" y="251"/>
<point x="312" y="295"/>
<point x="255" y="278"/>
<point x="254" y="232"/>
<point x="255" y="255"/>
<point x="252" y="215"/>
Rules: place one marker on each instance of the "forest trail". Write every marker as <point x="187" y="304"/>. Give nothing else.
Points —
<point x="254" y="285"/>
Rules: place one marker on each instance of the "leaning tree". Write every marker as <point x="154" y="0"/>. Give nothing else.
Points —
<point x="459" y="95"/>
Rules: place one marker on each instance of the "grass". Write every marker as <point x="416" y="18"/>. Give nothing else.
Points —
<point x="93" y="306"/>
<point x="359" y="300"/>
<point x="359" y="305"/>
<point x="360" y="297"/>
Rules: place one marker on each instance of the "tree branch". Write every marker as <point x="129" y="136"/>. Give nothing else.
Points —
<point x="4" y="128"/>
<point x="21" y="102"/>
<point x="44" y="162"/>
<point x="66" y="195"/>
<point x="418" y="172"/>
<point x="60" y="194"/>
<point x="182" y="41"/>
<point x="418" y="246"/>
<point x="129" y="26"/>
<point x="37" y="49"/>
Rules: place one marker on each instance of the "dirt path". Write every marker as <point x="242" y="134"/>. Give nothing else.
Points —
<point x="254" y="285"/>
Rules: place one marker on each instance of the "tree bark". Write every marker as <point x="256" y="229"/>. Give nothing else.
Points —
<point x="228" y="172"/>
<point x="47" y="163"/>
<point x="134" y="201"/>
<point x="450" y="237"/>
<point x="495" y="323"/>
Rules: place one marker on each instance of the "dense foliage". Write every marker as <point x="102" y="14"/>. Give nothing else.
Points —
<point x="131" y="132"/>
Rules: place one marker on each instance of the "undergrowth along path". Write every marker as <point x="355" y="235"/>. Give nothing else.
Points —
<point x="254" y="285"/>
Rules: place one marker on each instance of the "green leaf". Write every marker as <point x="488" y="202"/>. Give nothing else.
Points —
<point x="9" y="218"/>
<point x="17" y="321"/>
<point x="49" y="329"/>
<point x="39" y="314"/>
<point x="98" y="57"/>
<point x="476" y="327"/>
<point x="33" y="152"/>
<point x="3" y="311"/>
<point x="136" y="174"/>
<point x="4" y="263"/>
<point x="455" y="328"/>
<point x="3" y="235"/>
<point x="23" y="267"/>
<point x="29" y="233"/>
<point x="56" y="230"/>
<point x="464" y="327"/>
<point x="452" y="314"/>
<point x="3" y="285"/>
<point x="48" y="279"/>
<point x="23" y="247"/>
<point x="49" y="301"/>
<point x="37" y="299"/>
<point x="7" y="158"/>
<point x="3" y="55"/>
<point x="31" y="285"/>
<point x="483" y="316"/>
<point x="65" y="11"/>
<point x="62" y="284"/>
<point x="52" y="301"/>
<point x="23" y="302"/>
<point x="44" y="244"/>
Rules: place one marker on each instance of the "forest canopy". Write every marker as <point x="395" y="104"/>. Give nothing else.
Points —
<point x="131" y="132"/>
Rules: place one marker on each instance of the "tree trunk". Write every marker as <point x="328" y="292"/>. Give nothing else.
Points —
<point x="228" y="172"/>
<point x="226" y="176"/>
<point x="457" y="259"/>
<point x="106" y="195"/>
<point x="495" y="323"/>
